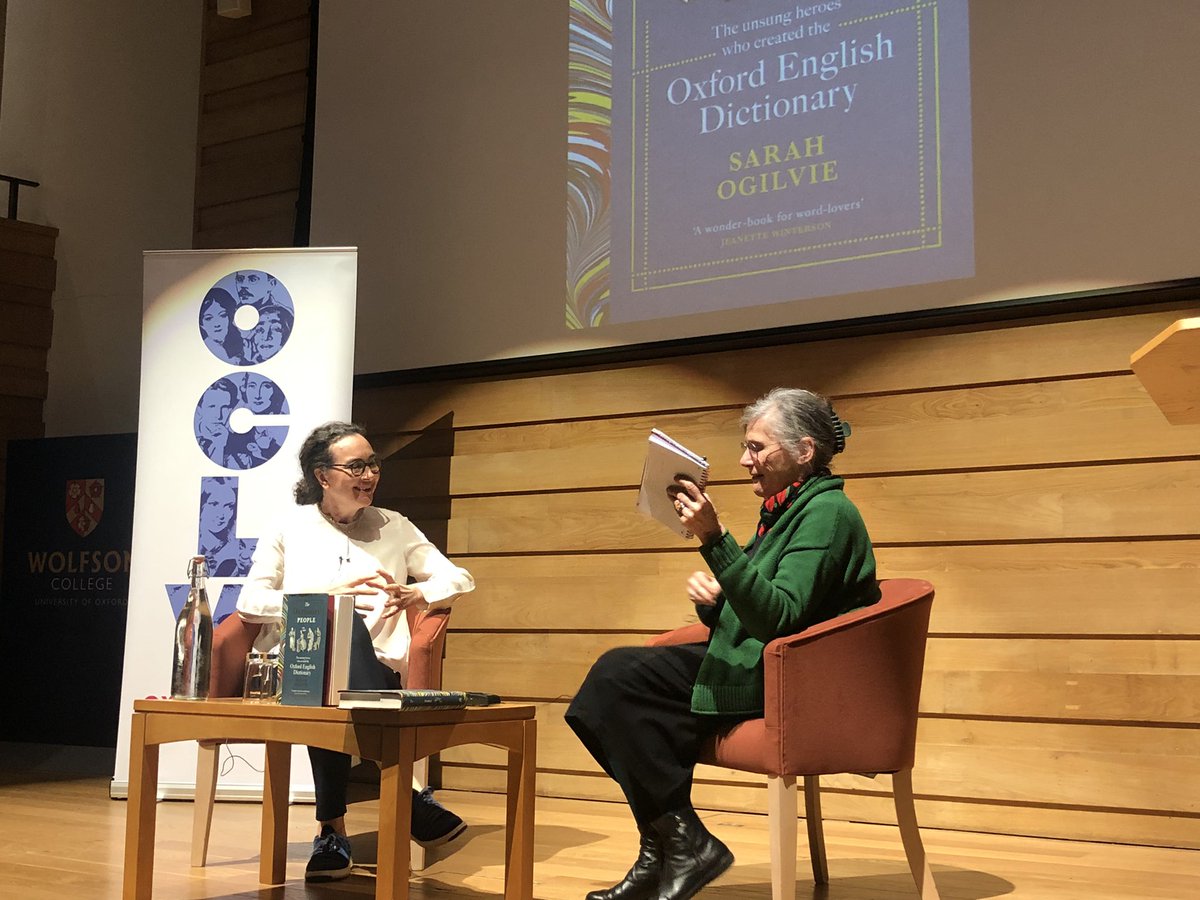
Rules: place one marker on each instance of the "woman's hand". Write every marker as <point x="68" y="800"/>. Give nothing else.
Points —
<point x="366" y="586"/>
<point x="703" y="589"/>
<point x="400" y="596"/>
<point x="696" y="511"/>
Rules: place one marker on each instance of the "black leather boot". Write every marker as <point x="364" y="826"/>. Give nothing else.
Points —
<point x="641" y="881"/>
<point x="691" y="856"/>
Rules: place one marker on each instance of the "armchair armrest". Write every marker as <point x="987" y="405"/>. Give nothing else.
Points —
<point x="428" y="629"/>
<point x="232" y="640"/>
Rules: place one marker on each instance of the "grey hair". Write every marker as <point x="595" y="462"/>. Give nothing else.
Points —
<point x="795" y="414"/>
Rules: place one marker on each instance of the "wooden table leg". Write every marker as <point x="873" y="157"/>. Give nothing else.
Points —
<point x="518" y="843"/>
<point x="140" y="813"/>
<point x="395" y="813"/>
<point x="272" y="851"/>
<point x="208" y="759"/>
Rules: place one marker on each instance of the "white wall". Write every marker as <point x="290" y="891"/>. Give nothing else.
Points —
<point x="100" y="106"/>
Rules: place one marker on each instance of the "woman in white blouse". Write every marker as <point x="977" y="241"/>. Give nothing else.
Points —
<point x="335" y="541"/>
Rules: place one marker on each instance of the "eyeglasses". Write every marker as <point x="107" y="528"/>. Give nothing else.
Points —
<point x="756" y="450"/>
<point x="358" y="467"/>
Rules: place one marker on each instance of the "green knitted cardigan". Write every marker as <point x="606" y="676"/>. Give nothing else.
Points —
<point x="813" y="564"/>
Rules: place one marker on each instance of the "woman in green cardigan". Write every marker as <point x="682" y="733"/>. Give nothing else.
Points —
<point x="644" y="712"/>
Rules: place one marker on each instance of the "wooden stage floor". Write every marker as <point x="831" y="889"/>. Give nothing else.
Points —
<point x="63" y="838"/>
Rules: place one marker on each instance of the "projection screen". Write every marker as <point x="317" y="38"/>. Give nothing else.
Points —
<point x="540" y="176"/>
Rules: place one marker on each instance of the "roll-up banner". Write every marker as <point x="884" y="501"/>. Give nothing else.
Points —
<point x="243" y="353"/>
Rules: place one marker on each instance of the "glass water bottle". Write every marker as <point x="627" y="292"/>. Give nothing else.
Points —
<point x="193" y="638"/>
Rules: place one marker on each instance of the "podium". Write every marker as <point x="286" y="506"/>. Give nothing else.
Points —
<point x="1169" y="368"/>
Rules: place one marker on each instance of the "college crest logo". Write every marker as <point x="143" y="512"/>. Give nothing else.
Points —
<point x="85" y="504"/>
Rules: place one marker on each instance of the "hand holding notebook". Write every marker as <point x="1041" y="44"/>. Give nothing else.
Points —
<point x="666" y="460"/>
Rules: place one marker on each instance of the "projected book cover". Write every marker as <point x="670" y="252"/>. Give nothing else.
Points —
<point x="747" y="152"/>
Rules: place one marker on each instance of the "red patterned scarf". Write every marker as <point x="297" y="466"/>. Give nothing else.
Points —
<point x="773" y="509"/>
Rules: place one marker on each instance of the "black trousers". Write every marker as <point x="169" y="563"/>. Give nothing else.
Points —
<point x="633" y="712"/>
<point x="331" y="770"/>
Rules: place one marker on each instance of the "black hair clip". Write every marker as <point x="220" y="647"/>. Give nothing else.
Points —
<point x="841" y="431"/>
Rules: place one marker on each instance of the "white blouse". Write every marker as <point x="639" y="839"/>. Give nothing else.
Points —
<point x="310" y="554"/>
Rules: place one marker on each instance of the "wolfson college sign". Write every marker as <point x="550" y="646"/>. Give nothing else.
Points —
<point x="67" y="524"/>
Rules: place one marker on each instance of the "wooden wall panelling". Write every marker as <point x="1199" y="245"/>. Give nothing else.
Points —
<point x="21" y="382"/>
<point x="24" y="269"/>
<point x="25" y="237"/>
<point x="28" y="273"/>
<point x="21" y="355"/>
<point x="21" y="409"/>
<point x="1137" y="588"/>
<point x="1036" y="504"/>
<point x="253" y="105"/>
<point x="266" y="14"/>
<point x="227" y="182"/>
<point x="263" y="60"/>
<point x="1149" y="681"/>
<point x="980" y="766"/>
<point x="1096" y="766"/>
<point x="19" y="293"/>
<point x="1141" y="588"/>
<point x="1012" y="777"/>
<point x="237" y="212"/>
<point x="275" y="23"/>
<point x="1021" y="468"/>
<point x="272" y="113"/>
<point x="1026" y="424"/>
<point x="244" y="223"/>
<point x="874" y="364"/>
<point x="27" y="325"/>
<point x="875" y="805"/>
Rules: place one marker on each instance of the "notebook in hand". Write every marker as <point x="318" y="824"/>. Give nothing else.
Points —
<point x="666" y="459"/>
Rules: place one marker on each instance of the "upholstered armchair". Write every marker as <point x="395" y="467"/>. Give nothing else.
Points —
<point x="841" y="696"/>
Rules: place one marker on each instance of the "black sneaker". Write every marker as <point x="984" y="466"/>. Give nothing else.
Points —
<point x="330" y="858"/>
<point x="433" y="824"/>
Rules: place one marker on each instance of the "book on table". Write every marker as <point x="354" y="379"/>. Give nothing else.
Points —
<point x="302" y="649"/>
<point x="414" y="698"/>
<point x="315" y="648"/>
<point x="341" y="625"/>
<point x="402" y="699"/>
<point x="667" y="459"/>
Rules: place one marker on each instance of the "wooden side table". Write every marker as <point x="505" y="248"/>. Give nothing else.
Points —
<point x="394" y="738"/>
